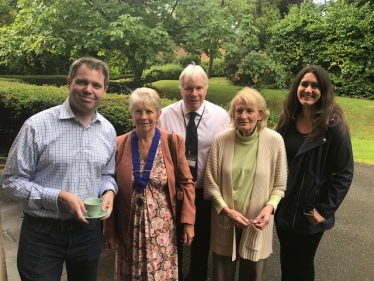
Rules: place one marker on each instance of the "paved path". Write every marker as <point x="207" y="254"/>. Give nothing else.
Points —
<point x="345" y="253"/>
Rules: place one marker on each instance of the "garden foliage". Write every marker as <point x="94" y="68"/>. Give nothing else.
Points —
<point x="338" y="37"/>
<point x="122" y="86"/>
<point x="19" y="101"/>
<point x="162" y="72"/>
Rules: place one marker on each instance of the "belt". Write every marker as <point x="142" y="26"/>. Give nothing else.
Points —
<point x="68" y="224"/>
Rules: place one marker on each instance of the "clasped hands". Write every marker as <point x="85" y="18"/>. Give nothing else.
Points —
<point x="241" y="222"/>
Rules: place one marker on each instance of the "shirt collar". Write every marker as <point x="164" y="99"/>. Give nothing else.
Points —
<point x="199" y="111"/>
<point x="67" y="113"/>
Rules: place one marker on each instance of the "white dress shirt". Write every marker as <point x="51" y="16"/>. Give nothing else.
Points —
<point x="210" y="121"/>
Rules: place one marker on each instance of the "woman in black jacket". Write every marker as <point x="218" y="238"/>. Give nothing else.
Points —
<point x="320" y="162"/>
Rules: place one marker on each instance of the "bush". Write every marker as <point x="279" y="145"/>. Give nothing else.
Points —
<point x="164" y="72"/>
<point x="186" y="60"/>
<point x="165" y="58"/>
<point x="255" y="70"/>
<point x="53" y="80"/>
<point x="355" y="82"/>
<point x="11" y="79"/>
<point x="218" y="68"/>
<point x="119" y="88"/>
<point x="341" y="41"/>
<point x="272" y="119"/>
<point x="20" y="101"/>
<point x="122" y="76"/>
<point x="123" y="86"/>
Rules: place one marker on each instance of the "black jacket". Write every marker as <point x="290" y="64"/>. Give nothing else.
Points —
<point x="319" y="177"/>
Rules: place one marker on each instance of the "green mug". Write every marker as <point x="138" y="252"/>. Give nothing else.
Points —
<point x="93" y="206"/>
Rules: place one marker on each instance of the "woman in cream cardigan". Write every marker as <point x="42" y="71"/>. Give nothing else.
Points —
<point x="246" y="176"/>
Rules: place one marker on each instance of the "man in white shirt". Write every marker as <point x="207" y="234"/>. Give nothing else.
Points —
<point x="210" y="120"/>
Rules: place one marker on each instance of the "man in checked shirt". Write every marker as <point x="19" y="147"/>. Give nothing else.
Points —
<point x="62" y="156"/>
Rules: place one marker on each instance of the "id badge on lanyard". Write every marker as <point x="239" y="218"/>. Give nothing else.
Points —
<point x="191" y="159"/>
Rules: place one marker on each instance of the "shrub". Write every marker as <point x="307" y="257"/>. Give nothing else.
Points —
<point x="54" y="80"/>
<point x="341" y="41"/>
<point x="186" y="60"/>
<point x="123" y="86"/>
<point x="255" y="69"/>
<point x="19" y="101"/>
<point x="164" y="72"/>
<point x="119" y="88"/>
<point x="165" y="58"/>
<point x="11" y="79"/>
<point x="121" y="76"/>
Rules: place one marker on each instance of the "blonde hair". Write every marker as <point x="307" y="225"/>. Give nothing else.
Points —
<point x="253" y="98"/>
<point x="145" y="96"/>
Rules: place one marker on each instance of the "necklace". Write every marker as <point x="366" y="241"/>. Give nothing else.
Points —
<point x="141" y="177"/>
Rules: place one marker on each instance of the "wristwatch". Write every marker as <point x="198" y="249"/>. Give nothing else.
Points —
<point x="107" y="191"/>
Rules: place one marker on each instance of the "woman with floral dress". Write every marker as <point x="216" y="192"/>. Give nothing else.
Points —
<point x="142" y="227"/>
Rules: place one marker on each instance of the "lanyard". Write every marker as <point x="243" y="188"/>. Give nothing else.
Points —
<point x="141" y="181"/>
<point x="198" y="123"/>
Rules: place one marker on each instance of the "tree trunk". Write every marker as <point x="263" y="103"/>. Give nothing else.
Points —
<point x="135" y="72"/>
<point x="137" y="68"/>
<point x="210" y="65"/>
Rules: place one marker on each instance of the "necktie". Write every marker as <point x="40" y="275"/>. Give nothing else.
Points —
<point x="191" y="144"/>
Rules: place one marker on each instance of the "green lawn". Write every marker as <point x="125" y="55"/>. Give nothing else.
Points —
<point x="359" y="113"/>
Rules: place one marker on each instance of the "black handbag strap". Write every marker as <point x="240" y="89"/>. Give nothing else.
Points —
<point x="174" y="159"/>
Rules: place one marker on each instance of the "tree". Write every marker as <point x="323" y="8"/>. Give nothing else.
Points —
<point x="8" y="11"/>
<point x="207" y="34"/>
<point x="348" y="50"/>
<point x="129" y="31"/>
<point x="266" y="15"/>
<point x="295" y="39"/>
<point x="340" y="40"/>
<point x="359" y="3"/>
<point x="284" y="5"/>
<point x="246" y="35"/>
<point x="246" y="60"/>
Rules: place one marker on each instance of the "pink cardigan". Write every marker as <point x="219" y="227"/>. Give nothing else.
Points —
<point x="119" y="221"/>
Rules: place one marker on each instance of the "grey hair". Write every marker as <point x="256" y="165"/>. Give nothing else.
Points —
<point x="193" y="72"/>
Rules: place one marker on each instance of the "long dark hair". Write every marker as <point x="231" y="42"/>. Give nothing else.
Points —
<point x="327" y="112"/>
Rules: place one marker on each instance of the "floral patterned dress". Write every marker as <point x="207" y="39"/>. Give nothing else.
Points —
<point x="150" y="250"/>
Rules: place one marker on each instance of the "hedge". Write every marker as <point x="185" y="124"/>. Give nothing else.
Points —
<point x="124" y="85"/>
<point x="56" y="80"/>
<point x="162" y="72"/>
<point x="19" y="101"/>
